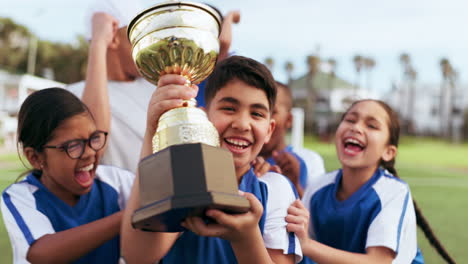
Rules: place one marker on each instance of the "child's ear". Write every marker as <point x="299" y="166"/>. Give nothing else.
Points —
<point x="289" y="120"/>
<point x="35" y="159"/>
<point x="271" y="128"/>
<point x="389" y="153"/>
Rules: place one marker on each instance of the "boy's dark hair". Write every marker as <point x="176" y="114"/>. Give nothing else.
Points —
<point x="243" y="69"/>
<point x="41" y="113"/>
<point x="394" y="132"/>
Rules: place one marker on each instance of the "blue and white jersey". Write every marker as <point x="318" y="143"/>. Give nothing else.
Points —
<point x="380" y="213"/>
<point x="31" y="211"/>
<point x="276" y="194"/>
<point x="314" y="164"/>
<point x="311" y="164"/>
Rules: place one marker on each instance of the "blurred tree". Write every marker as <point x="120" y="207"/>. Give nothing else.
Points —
<point x="289" y="67"/>
<point x="447" y="90"/>
<point x="14" y="43"/>
<point x="66" y="61"/>
<point x="465" y="126"/>
<point x="332" y="63"/>
<point x="369" y="65"/>
<point x="409" y="76"/>
<point x="412" y="75"/>
<point x="313" y="67"/>
<point x="358" y="62"/>
<point x="270" y="62"/>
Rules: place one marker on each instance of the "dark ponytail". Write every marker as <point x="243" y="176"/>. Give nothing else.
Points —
<point x="394" y="131"/>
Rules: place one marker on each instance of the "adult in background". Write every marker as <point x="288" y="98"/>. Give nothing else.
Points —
<point x="115" y="92"/>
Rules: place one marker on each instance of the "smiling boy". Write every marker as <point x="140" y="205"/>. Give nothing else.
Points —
<point x="240" y="95"/>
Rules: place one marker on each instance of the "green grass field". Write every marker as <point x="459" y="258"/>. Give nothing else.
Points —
<point x="436" y="171"/>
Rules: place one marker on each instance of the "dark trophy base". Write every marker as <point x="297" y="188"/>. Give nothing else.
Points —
<point x="185" y="180"/>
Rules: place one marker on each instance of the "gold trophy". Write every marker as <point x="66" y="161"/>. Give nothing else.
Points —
<point x="187" y="172"/>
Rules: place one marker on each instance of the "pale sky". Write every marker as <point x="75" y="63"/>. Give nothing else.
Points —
<point x="290" y="30"/>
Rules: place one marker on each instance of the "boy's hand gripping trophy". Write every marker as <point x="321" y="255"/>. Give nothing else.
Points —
<point x="187" y="173"/>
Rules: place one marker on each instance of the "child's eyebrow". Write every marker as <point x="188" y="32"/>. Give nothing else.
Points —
<point x="367" y="118"/>
<point x="373" y="119"/>
<point x="260" y="106"/>
<point x="229" y="100"/>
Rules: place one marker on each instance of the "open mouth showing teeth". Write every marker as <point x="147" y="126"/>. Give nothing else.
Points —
<point x="237" y="143"/>
<point x="353" y="145"/>
<point x="87" y="168"/>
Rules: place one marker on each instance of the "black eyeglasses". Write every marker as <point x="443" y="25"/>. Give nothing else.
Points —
<point x="76" y="147"/>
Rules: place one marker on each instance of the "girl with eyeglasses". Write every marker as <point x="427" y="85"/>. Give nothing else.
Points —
<point x="67" y="209"/>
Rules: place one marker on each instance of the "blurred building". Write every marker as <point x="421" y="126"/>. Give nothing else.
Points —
<point x="13" y="91"/>
<point x="324" y="98"/>
<point x="428" y="109"/>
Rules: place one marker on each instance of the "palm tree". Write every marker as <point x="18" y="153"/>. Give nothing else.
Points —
<point x="369" y="64"/>
<point x="270" y="62"/>
<point x="447" y="89"/>
<point x="358" y="61"/>
<point x="405" y="61"/>
<point x="445" y="70"/>
<point x="289" y="67"/>
<point x="332" y="63"/>
<point x="412" y="76"/>
<point x="313" y="64"/>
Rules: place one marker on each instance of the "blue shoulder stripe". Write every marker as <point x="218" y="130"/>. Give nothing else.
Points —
<point x="18" y="218"/>
<point x="400" y="225"/>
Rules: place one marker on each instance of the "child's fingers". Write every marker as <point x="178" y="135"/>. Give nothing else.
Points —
<point x="255" y="206"/>
<point x="259" y="166"/>
<point x="280" y="159"/>
<point x="163" y="106"/>
<point x="171" y="79"/>
<point x="222" y="218"/>
<point x="296" y="228"/>
<point x="276" y="168"/>
<point x="198" y="226"/>
<point x="262" y="169"/>
<point x="296" y="219"/>
<point x="175" y="91"/>
<point x="298" y="203"/>
<point x="297" y="211"/>
<point x="293" y="210"/>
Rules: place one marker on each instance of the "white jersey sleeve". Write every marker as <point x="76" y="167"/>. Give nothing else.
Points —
<point x="121" y="181"/>
<point x="280" y="197"/>
<point x="314" y="163"/>
<point x="395" y="226"/>
<point x="128" y="105"/>
<point x="24" y="223"/>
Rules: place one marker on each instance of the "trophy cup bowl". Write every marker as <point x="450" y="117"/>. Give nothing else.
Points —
<point x="187" y="172"/>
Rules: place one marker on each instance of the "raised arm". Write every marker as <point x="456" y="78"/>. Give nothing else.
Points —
<point x="95" y="94"/>
<point x="148" y="247"/>
<point x="69" y="245"/>
<point x="225" y="37"/>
